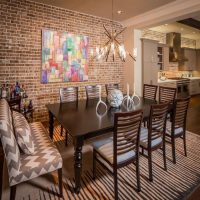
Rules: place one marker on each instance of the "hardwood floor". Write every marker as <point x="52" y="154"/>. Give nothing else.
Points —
<point x="193" y="125"/>
<point x="193" y="117"/>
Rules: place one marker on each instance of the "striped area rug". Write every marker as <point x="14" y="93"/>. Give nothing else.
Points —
<point x="176" y="183"/>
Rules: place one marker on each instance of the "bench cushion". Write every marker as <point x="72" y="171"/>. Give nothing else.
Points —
<point x="9" y="143"/>
<point x="23" y="133"/>
<point x="45" y="159"/>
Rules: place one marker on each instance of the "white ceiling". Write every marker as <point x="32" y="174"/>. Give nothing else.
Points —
<point x="130" y="9"/>
<point x="103" y="8"/>
<point x="186" y="31"/>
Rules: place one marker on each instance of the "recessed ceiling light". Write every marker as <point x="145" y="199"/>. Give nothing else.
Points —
<point x="182" y="29"/>
<point x="166" y="24"/>
<point x="193" y="32"/>
<point x="119" y="12"/>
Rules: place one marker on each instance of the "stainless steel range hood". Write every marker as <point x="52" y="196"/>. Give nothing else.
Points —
<point x="176" y="53"/>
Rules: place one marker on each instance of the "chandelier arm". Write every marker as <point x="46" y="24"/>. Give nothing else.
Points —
<point x="117" y="41"/>
<point x="107" y="31"/>
<point x="120" y="32"/>
<point x="106" y="43"/>
<point x="110" y="37"/>
<point x="131" y="56"/>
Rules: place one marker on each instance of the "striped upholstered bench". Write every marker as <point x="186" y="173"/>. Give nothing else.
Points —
<point x="22" y="164"/>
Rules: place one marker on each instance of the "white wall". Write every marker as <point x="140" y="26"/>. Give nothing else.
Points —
<point x="133" y="69"/>
<point x="129" y="64"/>
<point x="138" y="62"/>
<point x="197" y="44"/>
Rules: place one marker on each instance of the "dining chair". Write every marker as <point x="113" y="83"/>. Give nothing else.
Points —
<point x="167" y="94"/>
<point x="122" y="149"/>
<point x="153" y="137"/>
<point x="150" y="91"/>
<point x="111" y="86"/>
<point x="92" y="91"/>
<point x="177" y="128"/>
<point x="68" y="94"/>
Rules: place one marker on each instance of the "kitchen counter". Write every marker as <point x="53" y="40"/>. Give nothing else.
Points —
<point x="167" y="81"/>
<point x="193" y="78"/>
<point x="172" y="81"/>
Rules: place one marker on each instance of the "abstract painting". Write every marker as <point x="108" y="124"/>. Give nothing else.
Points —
<point x="64" y="57"/>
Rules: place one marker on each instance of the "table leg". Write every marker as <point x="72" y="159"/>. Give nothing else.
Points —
<point x="51" y="122"/>
<point x="78" y="143"/>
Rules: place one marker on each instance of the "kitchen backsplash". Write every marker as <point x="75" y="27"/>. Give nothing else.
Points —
<point x="173" y="73"/>
<point x="161" y="37"/>
<point x="196" y="73"/>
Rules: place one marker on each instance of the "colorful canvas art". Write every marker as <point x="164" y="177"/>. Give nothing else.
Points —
<point x="64" y="57"/>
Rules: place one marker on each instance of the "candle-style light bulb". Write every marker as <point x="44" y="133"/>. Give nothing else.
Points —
<point x="127" y="89"/>
<point x="127" y="95"/>
<point x="99" y="91"/>
<point x="135" y="52"/>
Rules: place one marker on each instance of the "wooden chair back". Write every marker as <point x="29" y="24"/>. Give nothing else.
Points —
<point x="126" y="132"/>
<point x="180" y="113"/>
<point x="92" y="91"/>
<point x="150" y="91"/>
<point x="167" y="94"/>
<point x="111" y="86"/>
<point x="68" y="94"/>
<point x="157" y="122"/>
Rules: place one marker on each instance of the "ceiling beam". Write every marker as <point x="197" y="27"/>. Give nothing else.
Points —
<point x="191" y="22"/>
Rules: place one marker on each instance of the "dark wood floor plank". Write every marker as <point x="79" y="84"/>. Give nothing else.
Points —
<point x="193" y="117"/>
<point x="193" y="125"/>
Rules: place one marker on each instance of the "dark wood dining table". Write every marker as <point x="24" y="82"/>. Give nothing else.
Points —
<point x="82" y="121"/>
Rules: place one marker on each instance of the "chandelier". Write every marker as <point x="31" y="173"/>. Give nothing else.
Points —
<point x="112" y="47"/>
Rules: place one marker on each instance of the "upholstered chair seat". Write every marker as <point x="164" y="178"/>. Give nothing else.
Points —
<point x="105" y="148"/>
<point x="177" y="130"/>
<point x="144" y="139"/>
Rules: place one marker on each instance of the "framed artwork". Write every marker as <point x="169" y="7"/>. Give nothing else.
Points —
<point x="64" y="57"/>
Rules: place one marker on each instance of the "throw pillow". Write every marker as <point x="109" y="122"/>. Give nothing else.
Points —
<point x="23" y="133"/>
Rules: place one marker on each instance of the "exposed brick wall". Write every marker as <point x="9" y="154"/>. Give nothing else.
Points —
<point x="21" y="22"/>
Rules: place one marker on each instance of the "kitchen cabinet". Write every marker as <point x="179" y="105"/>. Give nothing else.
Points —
<point x="149" y="50"/>
<point x="191" y="55"/>
<point x="166" y="58"/>
<point x="150" y="67"/>
<point x="163" y="56"/>
<point x="194" y="86"/>
<point x="198" y="60"/>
